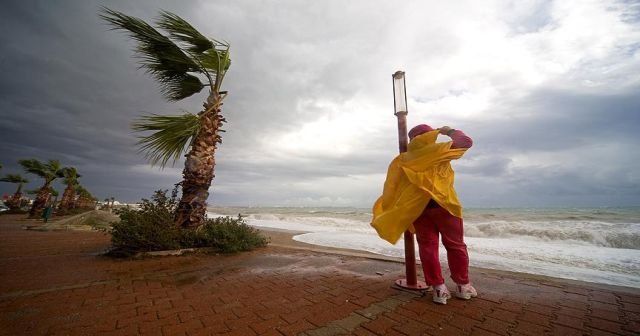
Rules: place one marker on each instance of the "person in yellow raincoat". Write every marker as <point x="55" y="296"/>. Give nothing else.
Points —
<point x="419" y="196"/>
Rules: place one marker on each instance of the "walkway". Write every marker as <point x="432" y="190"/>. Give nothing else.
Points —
<point x="55" y="283"/>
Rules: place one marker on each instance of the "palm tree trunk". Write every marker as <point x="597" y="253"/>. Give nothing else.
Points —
<point x="199" y="165"/>
<point x="67" y="197"/>
<point x="40" y="202"/>
<point x="15" y="201"/>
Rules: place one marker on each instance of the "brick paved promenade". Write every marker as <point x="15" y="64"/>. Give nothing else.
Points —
<point x="55" y="283"/>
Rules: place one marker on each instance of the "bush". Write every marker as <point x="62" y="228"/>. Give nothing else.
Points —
<point x="226" y="234"/>
<point x="151" y="228"/>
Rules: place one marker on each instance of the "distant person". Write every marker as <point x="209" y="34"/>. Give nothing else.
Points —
<point x="419" y="196"/>
<point x="46" y="213"/>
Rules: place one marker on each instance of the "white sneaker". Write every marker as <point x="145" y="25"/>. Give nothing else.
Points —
<point x="465" y="292"/>
<point x="441" y="294"/>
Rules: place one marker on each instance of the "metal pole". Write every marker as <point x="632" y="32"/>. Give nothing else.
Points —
<point x="400" y="104"/>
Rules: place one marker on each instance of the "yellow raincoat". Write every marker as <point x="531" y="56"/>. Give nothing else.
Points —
<point x="414" y="178"/>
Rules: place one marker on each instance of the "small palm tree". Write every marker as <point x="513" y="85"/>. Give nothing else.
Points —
<point x="85" y="199"/>
<point x="49" y="172"/>
<point x="15" y="200"/>
<point x="180" y="62"/>
<point x="71" y="177"/>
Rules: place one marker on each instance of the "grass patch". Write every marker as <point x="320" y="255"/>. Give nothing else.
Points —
<point x="151" y="228"/>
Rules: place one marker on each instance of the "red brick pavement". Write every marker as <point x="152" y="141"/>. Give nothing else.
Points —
<point x="56" y="283"/>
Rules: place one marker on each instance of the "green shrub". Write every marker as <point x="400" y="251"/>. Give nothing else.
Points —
<point x="151" y="228"/>
<point x="226" y="234"/>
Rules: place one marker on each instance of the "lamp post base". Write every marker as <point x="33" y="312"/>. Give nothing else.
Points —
<point x="419" y="286"/>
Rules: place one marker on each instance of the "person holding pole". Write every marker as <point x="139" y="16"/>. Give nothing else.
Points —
<point x="419" y="196"/>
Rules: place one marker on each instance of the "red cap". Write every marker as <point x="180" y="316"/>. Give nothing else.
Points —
<point x="420" y="129"/>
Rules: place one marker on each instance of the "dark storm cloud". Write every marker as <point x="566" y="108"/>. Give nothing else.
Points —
<point x="70" y="89"/>
<point x="67" y="92"/>
<point x="582" y="150"/>
<point x="557" y="120"/>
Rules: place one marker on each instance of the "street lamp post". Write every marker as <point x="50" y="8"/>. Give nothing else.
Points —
<point x="401" y="111"/>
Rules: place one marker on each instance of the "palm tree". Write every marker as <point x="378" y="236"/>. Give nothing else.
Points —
<point x="85" y="199"/>
<point x="49" y="172"/>
<point x="14" y="202"/>
<point x="71" y="177"/>
<point x="180" y="62"/>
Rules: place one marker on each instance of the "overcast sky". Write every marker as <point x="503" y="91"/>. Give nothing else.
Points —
<point x="548" y="90"/>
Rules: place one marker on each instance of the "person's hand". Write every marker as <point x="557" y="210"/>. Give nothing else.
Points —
<point x="444" y="129"/>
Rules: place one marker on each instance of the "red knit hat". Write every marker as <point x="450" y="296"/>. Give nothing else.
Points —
<point x="420" y="129"/>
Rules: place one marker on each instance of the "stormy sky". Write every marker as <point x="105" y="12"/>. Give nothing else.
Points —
<point x="548" y="90"/>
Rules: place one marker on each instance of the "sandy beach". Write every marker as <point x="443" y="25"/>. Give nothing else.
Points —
<point x="56" y="282"/>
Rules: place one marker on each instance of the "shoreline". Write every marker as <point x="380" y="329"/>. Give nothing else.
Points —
<point x="284" y="238"/>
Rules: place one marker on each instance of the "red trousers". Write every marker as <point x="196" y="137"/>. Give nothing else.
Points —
<point x="436" y="221"/>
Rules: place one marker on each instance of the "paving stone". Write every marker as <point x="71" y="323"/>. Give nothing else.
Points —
<point x="380" y="325"/>
<point x="495" y="326"/>
<point x="535" y="318"/>
<point x="530" y="329"/>
<point x="559" y="330"/>
<point x="569" y="321"/>
<point x="503" y="315"/>
<point x="273" y="291"/>
<point x="350" y="322"/>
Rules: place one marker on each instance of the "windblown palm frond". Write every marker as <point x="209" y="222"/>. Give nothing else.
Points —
<point x="180" y="87"/>
<point x="70" y="175"/>
<point x="171" y="136"/>
<point x="159" y="56"/>
<point x="181" y="30"/>
<point x="211" y="54"/>
<point x="48" y="171"/>
<point x="216" y="61"/>
<point x="33" y="166"/>
<point x="83" y="192"/>
<point x="14" y="178"/>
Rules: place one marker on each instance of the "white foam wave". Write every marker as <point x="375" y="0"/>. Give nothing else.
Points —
<point x="585" y="263"/>
<point x="617" y="235"/>
<point x="583" y="250"/>
<point x="305" y="223"/>
<point x="597" y="233"/>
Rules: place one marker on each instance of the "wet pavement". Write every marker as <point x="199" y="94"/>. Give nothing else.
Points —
<point x="57" y="283"/>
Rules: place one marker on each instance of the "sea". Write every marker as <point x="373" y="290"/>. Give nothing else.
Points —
<point x="600" y="245"/>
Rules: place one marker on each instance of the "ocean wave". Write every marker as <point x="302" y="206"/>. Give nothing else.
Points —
<point x="625" y="235"/>
<point x="609" y="215"/>
<point x="575" y="227"/>
<point x="571" y="261"/>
